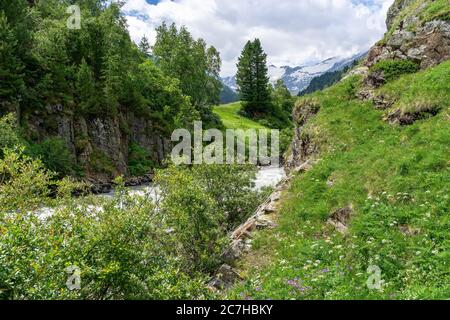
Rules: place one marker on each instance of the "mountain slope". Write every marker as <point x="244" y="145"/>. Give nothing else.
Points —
<point x="393" y="184"/>
<point x="367" y="212"/>
<point x="228" y="95"/>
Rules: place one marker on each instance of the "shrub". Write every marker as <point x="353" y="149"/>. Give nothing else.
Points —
<point x="23" y="181"/>
<point x="118" y="245"/>
<point x="55" y="155"/>
<point x="139" y="160"/>
<point x="393" y="69"/>
<point x="100" y="162"/>
<point x="127" y="247"/>
<point x="9" y="136"/>
<point x="200" y="204"/>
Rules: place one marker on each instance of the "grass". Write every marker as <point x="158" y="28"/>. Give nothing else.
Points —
<point x="396" y="179"/>
<point x="438" y="9"/>
<point x="229" y="113"/>
<point x="428" y="88"/>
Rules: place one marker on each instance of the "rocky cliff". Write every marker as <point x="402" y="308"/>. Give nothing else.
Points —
<point x="418" y="31"/>
<point x="99" y="145"/>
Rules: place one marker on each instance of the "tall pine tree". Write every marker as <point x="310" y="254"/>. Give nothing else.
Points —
<point x="253" y="80"/>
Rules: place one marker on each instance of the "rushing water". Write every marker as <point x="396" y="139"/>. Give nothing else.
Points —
<point x="265" y="177"/>
<point x="269" y="177"/>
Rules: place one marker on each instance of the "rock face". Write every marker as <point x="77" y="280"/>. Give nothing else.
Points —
<point x="427" y="43"/>
<point x="395" y="10"/>
<point x="302" y="148"/>
<point x="97" y="141"/>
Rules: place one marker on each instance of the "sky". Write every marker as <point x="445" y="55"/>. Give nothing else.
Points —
<point x="293" y="32"/>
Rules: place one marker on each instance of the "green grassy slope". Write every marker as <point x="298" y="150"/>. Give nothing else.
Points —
<point x="229" y="113"/>
<point x="396" y="179"/>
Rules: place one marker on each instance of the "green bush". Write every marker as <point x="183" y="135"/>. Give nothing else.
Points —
<point x="100" y="162"/>
<point x="201" y="204"/>
<point x="119" y="245"/>
<point x="9" y="136"/>
<point x="55" y="155"/>
<point x="393" y="69"/>
<point x="127" y="247"/>
<point x="139" y="161"/>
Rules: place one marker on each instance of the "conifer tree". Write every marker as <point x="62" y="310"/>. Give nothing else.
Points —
<point x="85" y="85"/>
<point x="253" y="81"/>
<point x="144" y="46"/>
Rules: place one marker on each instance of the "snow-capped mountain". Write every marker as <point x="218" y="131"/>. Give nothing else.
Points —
<point x="299" y="78"/>
<point x="230" y="82"/>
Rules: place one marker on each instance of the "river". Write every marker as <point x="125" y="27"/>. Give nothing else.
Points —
<point x="265" y="177"/>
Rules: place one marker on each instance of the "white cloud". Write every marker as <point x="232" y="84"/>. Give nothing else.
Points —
<point x="293" y="32"/>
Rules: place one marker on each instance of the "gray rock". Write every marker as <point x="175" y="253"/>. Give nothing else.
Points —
<point x="399" y="37"/>
<point x="416" y="54"/>
<point x="234" y="252"/>
<point x="340" y="219"/>
<point x="225" y="278"/>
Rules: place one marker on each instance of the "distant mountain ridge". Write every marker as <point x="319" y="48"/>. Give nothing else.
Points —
<point x="298" y="78"/>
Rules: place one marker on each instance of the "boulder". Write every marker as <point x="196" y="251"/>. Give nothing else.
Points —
<point x="340" y="219"/>
<point x="225" y="278"/>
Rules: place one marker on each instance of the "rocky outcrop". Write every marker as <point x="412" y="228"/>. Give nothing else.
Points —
<point x="395" y="10"/>
<point x="399" y="117"/>
<point x="428" y="45"/>
<point x="409" y="38"/>
<point x="302" y="148"/>
<point x="99" y="142"/>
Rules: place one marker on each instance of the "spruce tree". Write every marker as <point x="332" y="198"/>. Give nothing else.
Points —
<point x="253" y="81"/>
<point x="144" y="46"/>
<point x="245" y="76"/>
<point x="86" y="89"/>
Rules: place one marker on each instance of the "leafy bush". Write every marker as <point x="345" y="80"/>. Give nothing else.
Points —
<point x="101" y="163"/>
<point x="9" y="136"/>
<point x="393" y="69"/>
<point x="201" y="204"/>
<point x="139" y="161"/>
<point x="127" y="247"/>
<point x="55" y="155"/>
<point x="119" y="245"/>
<point x="286" y="136"/>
